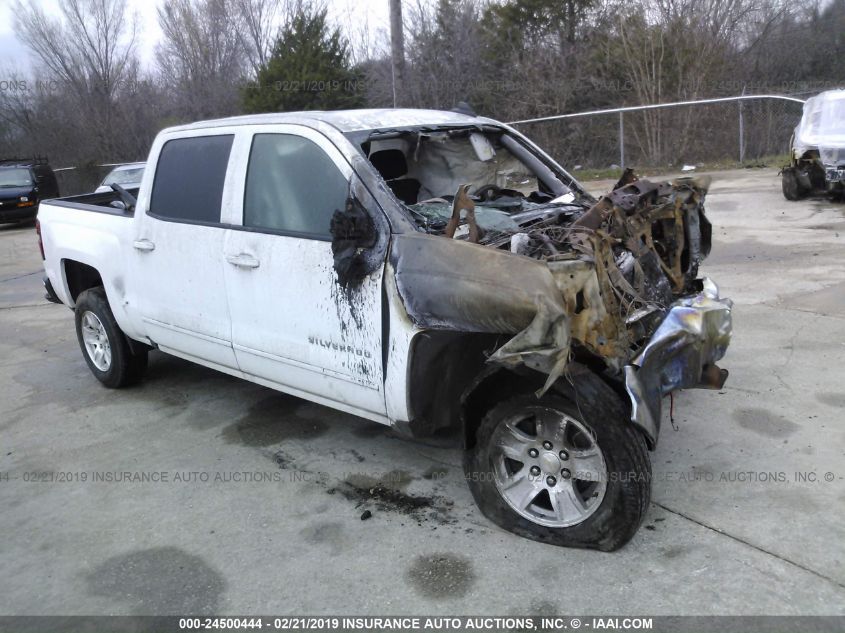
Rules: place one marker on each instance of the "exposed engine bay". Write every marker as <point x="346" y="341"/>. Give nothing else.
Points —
<point x="619" y="264"/>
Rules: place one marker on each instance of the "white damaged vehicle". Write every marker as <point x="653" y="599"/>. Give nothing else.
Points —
<point x="817" y="153"/>
<point x="422" y="269"/>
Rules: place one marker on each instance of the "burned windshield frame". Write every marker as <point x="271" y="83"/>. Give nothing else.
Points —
<point x="553" y="177"/>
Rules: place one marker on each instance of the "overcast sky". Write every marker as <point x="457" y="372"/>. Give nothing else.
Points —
<point x="371" y="14"/>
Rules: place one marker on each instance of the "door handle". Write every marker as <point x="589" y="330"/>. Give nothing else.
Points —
<point x="243" y="260"/>
<point x="144" y="245"/>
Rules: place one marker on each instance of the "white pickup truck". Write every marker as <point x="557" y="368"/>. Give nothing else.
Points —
<point x="424" y="269"/>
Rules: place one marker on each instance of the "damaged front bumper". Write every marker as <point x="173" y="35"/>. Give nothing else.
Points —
<point x="834" y="175"/>
<point x="681" y="354"/>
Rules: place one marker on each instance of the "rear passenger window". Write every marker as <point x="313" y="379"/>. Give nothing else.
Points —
<point x="292" y="186"/>
<point x="188" y="183"/>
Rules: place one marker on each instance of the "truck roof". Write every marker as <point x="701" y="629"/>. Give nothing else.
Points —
<point x="346" y="120"/>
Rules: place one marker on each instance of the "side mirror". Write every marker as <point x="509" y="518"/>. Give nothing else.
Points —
<point x="352" y="233"/>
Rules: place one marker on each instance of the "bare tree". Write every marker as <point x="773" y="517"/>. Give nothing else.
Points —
<point x="201" y="57"/>
<point x="444" y="52"/>
<point x="260" y="27"/>
<point x="676" y="50"/>
<point x="90" y="52"/>
<point x="91" y="47"/>
<point x="16" y="112"/>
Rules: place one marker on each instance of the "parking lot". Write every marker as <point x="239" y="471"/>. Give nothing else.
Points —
<point x="252" y="500"/>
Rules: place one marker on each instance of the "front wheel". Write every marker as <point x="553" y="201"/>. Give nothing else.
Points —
<point x="792" y="189"/>
<point x="104" y="345"/>
<point x="570" y="471"/>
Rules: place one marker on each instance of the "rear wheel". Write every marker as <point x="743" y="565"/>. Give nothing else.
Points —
<point x="576" y="475"/>
<point x="104" y="346"/>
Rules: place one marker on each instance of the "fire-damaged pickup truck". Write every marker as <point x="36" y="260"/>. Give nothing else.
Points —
<point x="429" y="270"/>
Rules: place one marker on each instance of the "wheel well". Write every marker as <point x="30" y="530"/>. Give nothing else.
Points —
<point x="498" y="383"/>
<point x="80" y="277"/>
<point x="489" y="388"/>
<point x="452" y="386"/>
<point x="443" y="364"/>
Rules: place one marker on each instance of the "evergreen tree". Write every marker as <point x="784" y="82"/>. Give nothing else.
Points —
<point x="309" y="69"/>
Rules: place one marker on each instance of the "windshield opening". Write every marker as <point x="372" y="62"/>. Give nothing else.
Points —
<point x="425" y="168"/>
<point x="15" y="177"/>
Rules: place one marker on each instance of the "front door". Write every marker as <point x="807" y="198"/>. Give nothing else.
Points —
<point x="293" y="325"/>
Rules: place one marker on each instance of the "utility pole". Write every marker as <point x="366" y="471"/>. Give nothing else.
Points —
<point x="397" y="51"/>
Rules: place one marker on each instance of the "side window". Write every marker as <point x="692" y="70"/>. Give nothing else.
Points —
<point x="292" y="186"/>
<point x="188" y="183"/>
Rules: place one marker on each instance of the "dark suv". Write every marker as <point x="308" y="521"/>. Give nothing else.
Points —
<point x="24" y="182"/>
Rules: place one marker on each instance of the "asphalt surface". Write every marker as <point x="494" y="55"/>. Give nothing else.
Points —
<point x="254" y="499"/>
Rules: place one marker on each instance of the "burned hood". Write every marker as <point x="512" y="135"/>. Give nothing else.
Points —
<point x="455" y="285"/>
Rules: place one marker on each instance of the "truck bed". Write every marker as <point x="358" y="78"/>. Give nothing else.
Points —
<point x="97" y="202"/>
<point x="72" y="236"/>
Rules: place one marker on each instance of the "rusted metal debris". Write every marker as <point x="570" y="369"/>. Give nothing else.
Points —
<point x="463" y="203"/>
<point x="617" y="282"/>
<point x="621" y="261"/>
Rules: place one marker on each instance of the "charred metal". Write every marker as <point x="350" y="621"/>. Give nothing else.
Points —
<point x="507" y="271"/>
<point x="614" y="283"/>
<point x="358" y="242"/>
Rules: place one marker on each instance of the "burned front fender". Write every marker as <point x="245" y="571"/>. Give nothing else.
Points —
<point x="681" y="354"/>
<point x="454" y="285"/>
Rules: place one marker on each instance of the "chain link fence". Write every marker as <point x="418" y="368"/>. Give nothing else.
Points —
<point x="731" y="130"/>
<point x="77" y="180"/>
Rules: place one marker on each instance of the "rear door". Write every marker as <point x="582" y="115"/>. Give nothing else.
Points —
<point x="177" y="251"/>
<point x="293" y="325"/>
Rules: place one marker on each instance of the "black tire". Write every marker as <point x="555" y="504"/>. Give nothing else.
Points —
<point x="792" y="189"/>
<point x="816" y="174"/>
<point x="126" y="368"/>
<point x="626" y="497"/>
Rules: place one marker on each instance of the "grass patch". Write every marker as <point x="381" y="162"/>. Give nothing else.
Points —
<point x="774" y="160"/>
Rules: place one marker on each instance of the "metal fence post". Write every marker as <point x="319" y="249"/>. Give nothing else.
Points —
<point x="741" y="135"/>
<point x="621" y="141"/>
